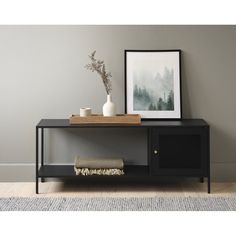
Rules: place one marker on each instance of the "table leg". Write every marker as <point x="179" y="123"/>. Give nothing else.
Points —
<point x="209" y="168"/>
<point x="42" y="151"/>
<point x="209" y="184"/>
<point x="37" y="159"/>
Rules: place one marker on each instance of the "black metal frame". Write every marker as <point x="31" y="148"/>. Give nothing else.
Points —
<point x="138" y="173"/>
<point x="37" y="160"/>
<point x="37" y="156"/>
<point x="180" y="79"/>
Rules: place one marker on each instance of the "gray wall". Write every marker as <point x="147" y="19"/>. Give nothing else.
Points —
<point x="42" y="75"/>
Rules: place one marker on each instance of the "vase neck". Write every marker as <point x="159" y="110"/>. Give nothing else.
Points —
<point x="109" y="97"/>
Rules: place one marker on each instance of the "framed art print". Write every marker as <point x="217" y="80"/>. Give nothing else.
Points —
<point x="153" y="83"/>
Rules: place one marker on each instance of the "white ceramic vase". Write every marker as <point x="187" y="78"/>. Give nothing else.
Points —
<point x="109" y="108"/>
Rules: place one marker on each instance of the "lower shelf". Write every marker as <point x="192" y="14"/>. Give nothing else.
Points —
<point x="67" y="171"/>
<point x="133" y="174"/>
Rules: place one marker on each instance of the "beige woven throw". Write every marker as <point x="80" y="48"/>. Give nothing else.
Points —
<point x="98" y="166"/>
<point x="87" y="171"/>
<point x="97" y="163"/>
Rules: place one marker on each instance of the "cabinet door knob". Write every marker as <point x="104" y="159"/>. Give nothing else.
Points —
<point x="155" y="151"/>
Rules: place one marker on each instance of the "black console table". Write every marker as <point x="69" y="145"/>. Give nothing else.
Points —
<point x="174" y="148"/>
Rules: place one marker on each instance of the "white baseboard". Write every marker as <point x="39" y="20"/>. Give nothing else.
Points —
<point x="15" y="172"/>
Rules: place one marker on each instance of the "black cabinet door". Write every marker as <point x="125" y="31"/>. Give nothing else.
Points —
<point x="178" y="151"/>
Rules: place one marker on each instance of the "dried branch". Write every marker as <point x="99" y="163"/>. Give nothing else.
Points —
<point x="99" y="67"/>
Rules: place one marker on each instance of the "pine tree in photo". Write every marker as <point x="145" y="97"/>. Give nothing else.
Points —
<point x="142" y="99"/>
<point x="160" y="104"/>
<point x="152" y="107"/>
<point x="170" y="101"/>
<point x="136" y="91"/>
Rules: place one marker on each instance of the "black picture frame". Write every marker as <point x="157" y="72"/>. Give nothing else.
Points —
<point x="179" y="51"/>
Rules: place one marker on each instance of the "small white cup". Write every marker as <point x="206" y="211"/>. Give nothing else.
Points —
<point x="85" y="111"/>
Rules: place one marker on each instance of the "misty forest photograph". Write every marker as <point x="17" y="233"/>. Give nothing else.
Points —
<point x="153" y="92"/>
<point x="153" y="83"/>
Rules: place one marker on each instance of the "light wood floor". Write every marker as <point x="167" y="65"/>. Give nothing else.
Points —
<point x="59" y="189"/>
